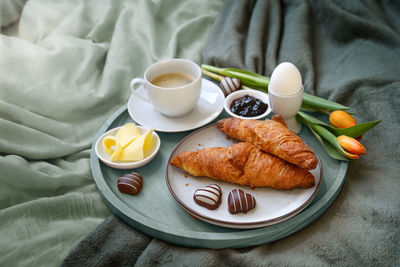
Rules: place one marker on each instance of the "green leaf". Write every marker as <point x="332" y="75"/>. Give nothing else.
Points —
<point x="254" y="85"/>
<point x="331" y="138"/>
<point x="305" y="107"/>
<point x="251" y="79"/>
<point x="311" y="119"/>
<point x="248" y="78"/>
<point x="321" y="103"/>
<point x="248" y="74"/>
<point x="212" y="75"/>
<point x="333" y="152"/>
<point x="328" y="147"/>
<point x="355" y="131"/>
<point x="212" y="68"/>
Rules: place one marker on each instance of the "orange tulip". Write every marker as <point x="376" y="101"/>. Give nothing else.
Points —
<point x="351" y="145"/>
<point x="341" y="119"/>
<point x="350" y="156"/>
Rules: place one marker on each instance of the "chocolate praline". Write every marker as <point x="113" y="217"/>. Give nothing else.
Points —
<point x="239" y="201"/>
<point x="209" y="196"/>
<point x="130" y="183"/>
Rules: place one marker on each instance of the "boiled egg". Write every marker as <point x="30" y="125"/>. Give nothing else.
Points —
<point x="285" y="79"/>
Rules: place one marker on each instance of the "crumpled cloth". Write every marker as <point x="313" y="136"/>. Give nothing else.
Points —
<point x="65" y="68"/>
<point x="348" y="52"/>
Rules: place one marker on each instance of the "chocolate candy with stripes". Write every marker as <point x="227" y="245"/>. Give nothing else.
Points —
<point x="239" y="201"/>
<point x="229" y="85"/>
<point x="130" y="183"/>
<point x="208" y="197"/>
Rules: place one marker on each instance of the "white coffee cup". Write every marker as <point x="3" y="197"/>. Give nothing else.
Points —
<point x="176" y="101"/>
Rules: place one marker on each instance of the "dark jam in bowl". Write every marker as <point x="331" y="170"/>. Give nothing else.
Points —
<point x="248" y="106"/>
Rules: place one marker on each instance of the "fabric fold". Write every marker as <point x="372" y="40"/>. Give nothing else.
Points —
<point x="68" y="69"/>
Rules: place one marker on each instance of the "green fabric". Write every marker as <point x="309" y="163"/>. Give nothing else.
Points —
<point x="346" y="51"/>
<point x="65" y="68"/>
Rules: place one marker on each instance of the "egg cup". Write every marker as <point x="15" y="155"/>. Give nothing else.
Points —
<point x="287" y="106"/>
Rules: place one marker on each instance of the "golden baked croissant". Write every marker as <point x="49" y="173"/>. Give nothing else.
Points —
<point x="243" y="164"/>
<point x="272" y="137"/>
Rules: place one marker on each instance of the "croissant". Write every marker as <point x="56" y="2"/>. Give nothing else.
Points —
<point x="245" y="164"/>
<point x="272" y="137"/>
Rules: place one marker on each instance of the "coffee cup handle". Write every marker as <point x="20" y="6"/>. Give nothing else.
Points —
<point x="133" y="89"/>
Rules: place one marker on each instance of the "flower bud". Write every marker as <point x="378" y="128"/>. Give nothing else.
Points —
<point x="352" y="156"/>
<point x="341" y="119"/>
<point x="351" y="145"/>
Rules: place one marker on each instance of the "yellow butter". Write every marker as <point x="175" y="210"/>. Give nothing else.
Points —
<point x="127" y="134"/>
<point x="117" y="152"/>
<point x="138" y="149"/>
<point x="108" y="143"/>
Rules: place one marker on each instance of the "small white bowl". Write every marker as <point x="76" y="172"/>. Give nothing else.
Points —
<point x="105" y="157"/>
<point x="240" y="93"/>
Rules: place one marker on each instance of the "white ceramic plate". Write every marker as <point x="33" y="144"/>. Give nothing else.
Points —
<point x="105" y="157"/>
<point x="272" y="206"/>
<point x="209" y="106"/>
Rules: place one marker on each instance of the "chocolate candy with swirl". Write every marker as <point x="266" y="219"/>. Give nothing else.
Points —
<point x="130" y="183"/>
<point x="208" y="197"/>
<point x="229" y="85"/>
<point x="239" y="201"/>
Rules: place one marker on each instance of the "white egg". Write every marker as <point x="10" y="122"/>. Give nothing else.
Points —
<point x="285" y="79"/>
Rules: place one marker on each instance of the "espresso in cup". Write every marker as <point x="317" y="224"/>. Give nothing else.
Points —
<point x="172" y="79"/>
<point x="172" y="86"/>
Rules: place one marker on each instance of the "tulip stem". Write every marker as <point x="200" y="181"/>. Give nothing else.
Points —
<point x="324" y="111"/>
<point x="212" y="75"/>
<point x="218" y="78"/>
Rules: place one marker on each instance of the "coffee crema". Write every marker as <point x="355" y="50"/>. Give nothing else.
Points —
<point x="172" y="79"/>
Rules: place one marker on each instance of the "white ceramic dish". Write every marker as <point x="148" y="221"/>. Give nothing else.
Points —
<point x="209" y="106"/>
<point x="240" y="93"/>
<point x="105" y="157"/>
<point x="272" y="206"/>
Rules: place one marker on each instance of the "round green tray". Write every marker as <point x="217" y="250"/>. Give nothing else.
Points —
<point x="156" y="213"/>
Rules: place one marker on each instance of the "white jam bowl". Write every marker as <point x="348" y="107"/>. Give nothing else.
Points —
<point x="240" y="93"/>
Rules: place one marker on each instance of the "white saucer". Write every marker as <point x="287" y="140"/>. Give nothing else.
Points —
<point x="209" y="106"/>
